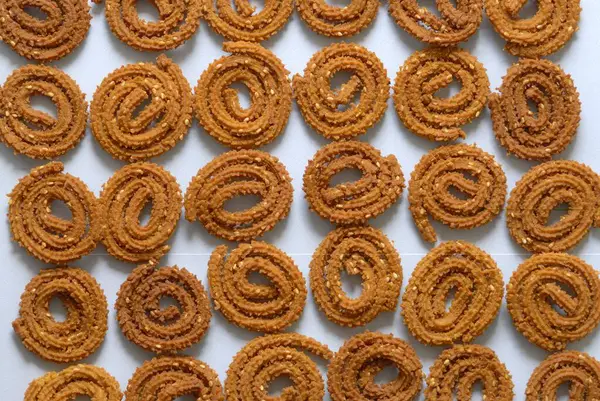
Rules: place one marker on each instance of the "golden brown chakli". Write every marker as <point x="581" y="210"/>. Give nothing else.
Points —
<point x="331" y="20"/>
<point x="217" y="105"/>
<point x="332" y="112"/>
<point x="266" y="308"/>
<point x="32" y="132"/>
<point x="363" y="251"/>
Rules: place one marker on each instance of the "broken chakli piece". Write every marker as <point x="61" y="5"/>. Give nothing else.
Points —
<point x="217" y="105"/>
<point x="332" y="113"/>
<point x="334" y="21"/>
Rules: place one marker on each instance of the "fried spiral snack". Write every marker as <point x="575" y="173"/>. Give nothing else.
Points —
<point x="124" y="197"/>
<point x="77" y="380"/>
<point x="477" y="282"/>
<point x="159" y="126"/>
<point x="455" y="24"/>
<point x="542" y="189"/>
<point x="538" y="284"/>
<point x="178" y="21"/>
<point x="578" y="369"/>
<point x="444" y="168"/>
<point x="241" y="23"/>
<point x="529" y="136"/>
<point x="217" y="104"/>
<point x="379" y="187"/>
<point x="86" y="321"/>
<point x="333" y="21"/>
<point x="457" y="369"/>
<point x="546" y="32"/>
<point x="351" y="374"/>
<point x="356" y="250"/>
<point x="170" y="377"/>
<point x="45" y="236"/>
<point x="265" y="358"/>
<point x="32" y="132"/>
<point x="426" y="72"/>
<point x="157" y="329"/>
<point x="265" y="308"/>
<point x="237" y="173"/>
<point x="64" y="27"/>
<point x="320" y="105"/>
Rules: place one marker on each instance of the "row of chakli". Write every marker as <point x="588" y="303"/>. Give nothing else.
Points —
<point x="334" y="21"/>
<point x="267" y="307"/>
<point x="363" y="251"/>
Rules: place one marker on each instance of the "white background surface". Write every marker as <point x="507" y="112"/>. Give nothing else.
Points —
<point x="300" y="234"/>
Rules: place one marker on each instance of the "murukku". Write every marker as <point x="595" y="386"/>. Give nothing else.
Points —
<point x="579" y="369"/>
<point x="266" y="308"/>
<point x="35" y="133"/>
<point x="83" y="330"/>
<point x="334" y="21"/>
<point x="170" y="377"/>
<point x="363" y="251"/>
<point x="465" y="168"/>
<point x="131" y="136"/>
<point x="162" y="329"/>
<point x="64" y="26"/>
<point x="233" y="174"/>
<point x="474" y="278"/>
<point x="177" y="22"/>
<point x="351" y="373"/>
<point x="454" y="25"/>
<point x="48" y="237"/>
<point x="266" y="358"/>
<point x="547" y="131"/>
<point x="539" y="192"/>
<point x="426" y="72"/>
<point x="75" y="381"/>
<point x="217" y="104"/>
<point x="547" y="31"/>
<point x="332" y="112"/>
<point x="378" y="188"/>
<point x="123" y="199"/>
<point x="546" y="280"/>
<point x="242" y="23"/>
<point x="459" y="368"/>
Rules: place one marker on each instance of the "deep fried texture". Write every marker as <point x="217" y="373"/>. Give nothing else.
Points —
<point x="544" y="188"/>
<point x="86" y="320"/>
<point x="351" y="373"/>
<point x="123" y="199"/>
<point x="64" y="27"/>
<point x="266" y="358"/>
<point x="544" y="33"/>
<point x="580" y="370"/>
<point x="332" y="112"/>
<point x="478" y="290"/>
<point x="169" y="377"/>
<point x="155" y="328"/>
<point x="445" y="168"/>
<point x="266" y="308"/>
<point x="378" y="188"/>
<point x="238" y="173"/>
<point x="426" y="72"/>
<point x="32" y="132"/>
<point x="548" y="131"/>
<point x="88" y="381"/>
<point x="177" y="21"/>
<point x="217" y="104"/>
<point x="549" y="279"/>
<point x="334" y="21"/>
<point x="238" y="21"/>
<point x="363" y="251"/>
<point x="159" y="126"/>
<point x="454" y="25"/>
<point x="459" y="368"/>
<point x="45" y="236"/>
